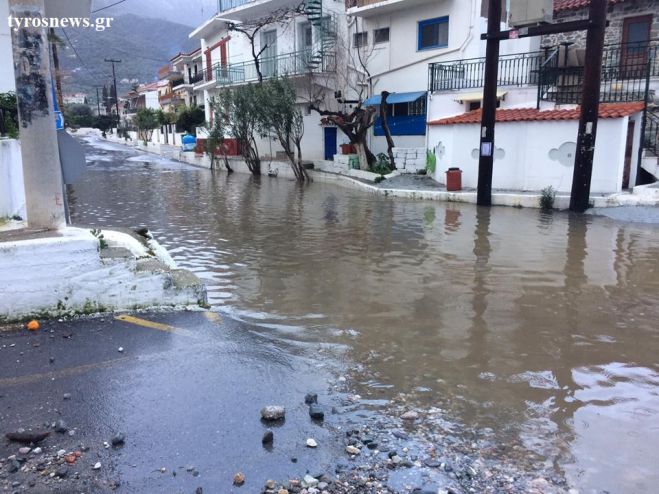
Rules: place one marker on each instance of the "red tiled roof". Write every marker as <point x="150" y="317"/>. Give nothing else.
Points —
<point x="607" y="110"/>
<point x="562" y="5"/>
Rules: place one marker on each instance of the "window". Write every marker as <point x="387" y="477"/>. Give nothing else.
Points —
<point x="433" y="33"/>
<point x="360" y="39"/>
<point x="381" y="35"/>
<point x="417" y="107"/>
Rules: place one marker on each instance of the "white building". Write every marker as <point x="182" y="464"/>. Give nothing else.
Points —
<point x="190" y="71"/>
<point x="398" y="39"/>
<point x="75" y="98"/>
<point x="303" y="47"/>
<point x="429" y="55"/>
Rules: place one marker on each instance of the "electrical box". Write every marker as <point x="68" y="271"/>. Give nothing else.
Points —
<point x="530" y="12"/>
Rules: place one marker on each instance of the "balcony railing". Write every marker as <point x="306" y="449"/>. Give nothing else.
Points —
<point x="223" y="5"/>
<point x="197" y="78"/>
<point x="287" y="64"/>
<point x="514" y="70"/>
<point x="624" y="69"/>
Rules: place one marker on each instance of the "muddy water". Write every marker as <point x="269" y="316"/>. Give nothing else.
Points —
<point x="542" y="328"/>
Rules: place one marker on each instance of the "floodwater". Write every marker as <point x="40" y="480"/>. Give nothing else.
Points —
<point x="544" y="328"/>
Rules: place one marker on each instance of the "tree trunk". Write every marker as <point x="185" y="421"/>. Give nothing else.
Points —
<point x="363" y="156"/>
<point x="385" y="128"/>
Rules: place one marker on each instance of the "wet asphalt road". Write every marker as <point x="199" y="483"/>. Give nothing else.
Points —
<point x="188" y="394"/>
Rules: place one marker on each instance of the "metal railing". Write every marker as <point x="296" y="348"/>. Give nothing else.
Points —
<point x="625" y="67"/>
<point x="197" y="78"/>
<point x="625" y="72"/>
<point x="518" y="69"/>
<point x="287" y="64"/>
<point x="223" y="5"/>
<point x="651" y="131"/>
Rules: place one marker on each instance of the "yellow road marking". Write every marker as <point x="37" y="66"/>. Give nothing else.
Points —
<point x="71" y="371"/>
<point x="153" y="325"/>
<point x="213" y="316"/>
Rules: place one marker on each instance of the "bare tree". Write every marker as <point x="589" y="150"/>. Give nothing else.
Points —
<point x="252" y="28"/>
<point x="353" y="82"/>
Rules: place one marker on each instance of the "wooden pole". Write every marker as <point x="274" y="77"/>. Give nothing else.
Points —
<point x="488" y="118"/>
<point x="583" y="160"/>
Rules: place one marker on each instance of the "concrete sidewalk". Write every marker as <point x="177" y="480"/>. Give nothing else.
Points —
<point x="186" y="389"/>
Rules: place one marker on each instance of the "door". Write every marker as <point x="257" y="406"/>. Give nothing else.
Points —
<point x="305" y="44"/>
<point x="634" y="51"/>
<point x="268" y="58"/>
<point x="330" y="142"/>
<point x="628" y="155"/>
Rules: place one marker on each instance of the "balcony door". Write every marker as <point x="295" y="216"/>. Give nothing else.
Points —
<point x="269" y="56"/>
<point x="635" y="37"/>
<point x="305" y="44"/>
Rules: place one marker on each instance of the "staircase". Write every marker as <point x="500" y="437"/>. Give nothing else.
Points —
<point x="650" y="160"/>
<point x="326" y="33"/>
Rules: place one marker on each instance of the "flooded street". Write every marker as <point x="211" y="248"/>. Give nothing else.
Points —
<point x="538" y="332"/>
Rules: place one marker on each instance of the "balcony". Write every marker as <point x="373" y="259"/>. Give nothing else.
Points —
<point x="197" y="78"/>
<point x="287" y="64"/>
<point x="169" y="72"/>
<point x="368" y="8"/>
<point x="242" y="10"/>
<point x="626" y="70"/>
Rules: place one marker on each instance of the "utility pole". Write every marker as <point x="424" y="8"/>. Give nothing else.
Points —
<point x="98" y="103"/>
<point x="40" y="152"/>
<point x="488" y="117"/>
<point x="116" y="94"/>
<point x="583" y="161"/>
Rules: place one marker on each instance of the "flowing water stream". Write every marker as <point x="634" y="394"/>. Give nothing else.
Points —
<point x="542" y="328"/>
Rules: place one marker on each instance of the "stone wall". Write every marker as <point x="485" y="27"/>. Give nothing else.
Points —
<point x="616" y="14"/>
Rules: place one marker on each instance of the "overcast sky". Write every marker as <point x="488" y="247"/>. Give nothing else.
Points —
<point x="190" y="12"/>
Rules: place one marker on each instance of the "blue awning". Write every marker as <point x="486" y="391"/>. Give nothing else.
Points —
<point x="396" y="98"/>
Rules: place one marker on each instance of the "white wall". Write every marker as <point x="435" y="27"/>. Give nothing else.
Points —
<point x="398" y="66"/>
<point x="529" y="155"/>
<point x="68" y="273"/>
<point x="12" y="191"/>
<point x="7" y="82"/>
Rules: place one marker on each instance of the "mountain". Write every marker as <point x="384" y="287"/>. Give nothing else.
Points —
<point x="143" y="44"/>
<point x="189" y="12"/>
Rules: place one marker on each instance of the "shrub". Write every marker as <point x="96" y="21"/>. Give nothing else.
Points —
<point x="547" y="197"/>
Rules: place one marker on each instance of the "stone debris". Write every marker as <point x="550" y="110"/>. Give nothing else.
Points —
<point x="311" y="443"/>
<point x="239" y="479"/>
<point x="268" y="437"/>
<point x="273" y="412"/>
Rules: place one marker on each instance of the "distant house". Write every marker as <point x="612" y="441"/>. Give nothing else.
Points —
<point x="144" y="96"/>
<point x="168" y="77"/>
<point x="189" y="66"/>
<point x="76" y="98"/>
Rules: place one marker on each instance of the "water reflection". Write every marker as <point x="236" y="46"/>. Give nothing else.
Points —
<point x="541" y="327"/>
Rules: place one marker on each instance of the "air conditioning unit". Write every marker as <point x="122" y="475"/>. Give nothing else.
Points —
<point x="530" y="12"/>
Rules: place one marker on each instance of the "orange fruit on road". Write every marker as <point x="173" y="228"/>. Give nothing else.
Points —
<point x="33" y="325"/>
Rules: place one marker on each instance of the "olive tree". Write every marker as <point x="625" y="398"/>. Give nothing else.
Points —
<point x="146" y="120"/>
<point x="241" y="107"/>
<point x="283" y="119"/>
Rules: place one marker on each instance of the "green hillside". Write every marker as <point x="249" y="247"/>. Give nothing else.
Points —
<point x="142" y="44"/>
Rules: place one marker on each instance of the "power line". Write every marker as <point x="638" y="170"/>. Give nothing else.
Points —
<point x="84" y="65"/>
<point x="108" y="6"/>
